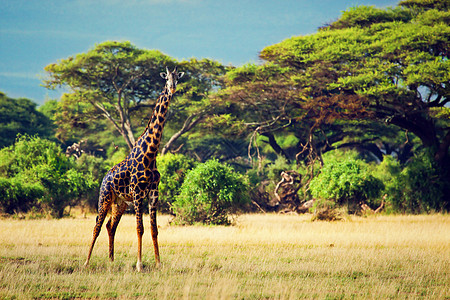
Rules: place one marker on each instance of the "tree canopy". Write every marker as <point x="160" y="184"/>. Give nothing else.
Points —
<point x="21" y="116"/>
<point x="111" y="81"/>
<point x="120" y="83"/>
<point x="371" y="76"/>
<point x="388" y="65"/>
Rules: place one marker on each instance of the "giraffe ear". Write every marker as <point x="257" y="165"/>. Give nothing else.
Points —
<point x="180" y="75"/>
<point x="163" y="75"/>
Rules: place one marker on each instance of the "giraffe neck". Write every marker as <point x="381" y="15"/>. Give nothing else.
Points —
<point x="156" y="123"/>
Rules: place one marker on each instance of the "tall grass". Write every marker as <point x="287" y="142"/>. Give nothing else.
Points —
<point x="263" y="256"/>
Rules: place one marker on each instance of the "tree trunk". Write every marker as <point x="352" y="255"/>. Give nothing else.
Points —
<point x="273" y="143"/>
<point x="189" y="123"/>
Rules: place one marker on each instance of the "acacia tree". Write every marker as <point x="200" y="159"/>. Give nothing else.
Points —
<point x="395" y="61"/>
<point x="372" y="66"/>
<point x="115" y="80"/>
<point x="271" y="105"/>
<point x="111" y="81"/>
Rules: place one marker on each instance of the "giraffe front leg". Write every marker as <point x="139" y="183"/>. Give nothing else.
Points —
<point x="139" y="229"/>
<point x="153" y="225"/>
<point x="116" y="213"/>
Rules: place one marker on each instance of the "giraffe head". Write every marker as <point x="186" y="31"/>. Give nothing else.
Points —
<point x="171" y="79"/>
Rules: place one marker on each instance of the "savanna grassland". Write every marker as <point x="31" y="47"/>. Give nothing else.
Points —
<point x="261" y="257"/>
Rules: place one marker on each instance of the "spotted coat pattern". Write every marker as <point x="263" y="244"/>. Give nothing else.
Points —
<point x="130" y="181"/>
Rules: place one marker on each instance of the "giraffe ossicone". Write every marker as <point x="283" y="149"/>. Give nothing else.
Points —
<point x="137" y="176"/>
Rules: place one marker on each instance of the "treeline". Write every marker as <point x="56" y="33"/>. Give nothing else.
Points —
<point x="355" y="115"/>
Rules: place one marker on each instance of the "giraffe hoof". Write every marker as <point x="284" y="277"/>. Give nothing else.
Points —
<point x="139" y="267"/>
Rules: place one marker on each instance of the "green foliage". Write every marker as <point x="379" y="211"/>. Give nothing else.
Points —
<point x="21" y="116"/>
<point x="17" y="195"/>
<point x="210" y="192"/>
<point x="416" y="188"/>
<point x="420" y="5"/>
<point x="346" y="181"/>
<point x="40" y="174"/>
<point x="173" y="169"/>
<point x="391" y="65"/>
<point x="95" y="168"/>
<point x="367" y="15"/>
<point x="110" y="81"/>
<point x="117" y="82"/>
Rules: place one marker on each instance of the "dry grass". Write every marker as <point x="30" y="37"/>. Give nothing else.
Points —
<point x="263" y="256"/>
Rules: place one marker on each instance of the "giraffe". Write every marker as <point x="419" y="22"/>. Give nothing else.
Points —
<point x="131" y="180"/>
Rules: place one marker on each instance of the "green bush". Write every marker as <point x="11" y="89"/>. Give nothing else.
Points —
<point x="173" y="169"/>
<point x="325" y="210"/>
<point x="346" y="181"/>
<point x="17" y="195"/>
<point x="414" y="188"/>
<point x="40" y="174"/>
<point x="417" y="188"/>
<point x="96" y="168"/>
<point x="210" y="192"/>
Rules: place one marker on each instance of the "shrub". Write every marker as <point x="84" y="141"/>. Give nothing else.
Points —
<point x="173" y="169"/>
<point x="96" y="168"/>
<point x="210" y="192"/>
<point x="39" y="173"/>
<point x="414" y="188"/>
<point x="417" y="188"/>
<point x="325" y="210"/>
<point x="346" y="182"/>
<point x="17" y="196"/>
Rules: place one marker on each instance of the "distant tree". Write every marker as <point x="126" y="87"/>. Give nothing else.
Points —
<point x="21" y="116"/>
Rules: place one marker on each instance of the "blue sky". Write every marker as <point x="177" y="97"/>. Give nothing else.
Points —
<point x="34" y="34"/>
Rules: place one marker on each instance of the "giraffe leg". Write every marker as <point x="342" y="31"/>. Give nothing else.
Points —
<point x="153" y="226"/>
<point x="116" y="213"/>
<point x="139" y="229"/>
<point x="103" y="211"/>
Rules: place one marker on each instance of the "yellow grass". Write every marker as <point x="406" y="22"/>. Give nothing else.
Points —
<point x="262" y="257"/>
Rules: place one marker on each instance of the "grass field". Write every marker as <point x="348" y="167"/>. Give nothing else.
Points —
<point x="262" y="257"/>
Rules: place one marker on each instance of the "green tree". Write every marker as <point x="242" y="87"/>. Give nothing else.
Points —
<point x="393" y="62"/>
<point x="111" y="81"/>
<point x="375" y="67"/>
<point x="115" y="81"/>
<point x="21" y="116"/>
